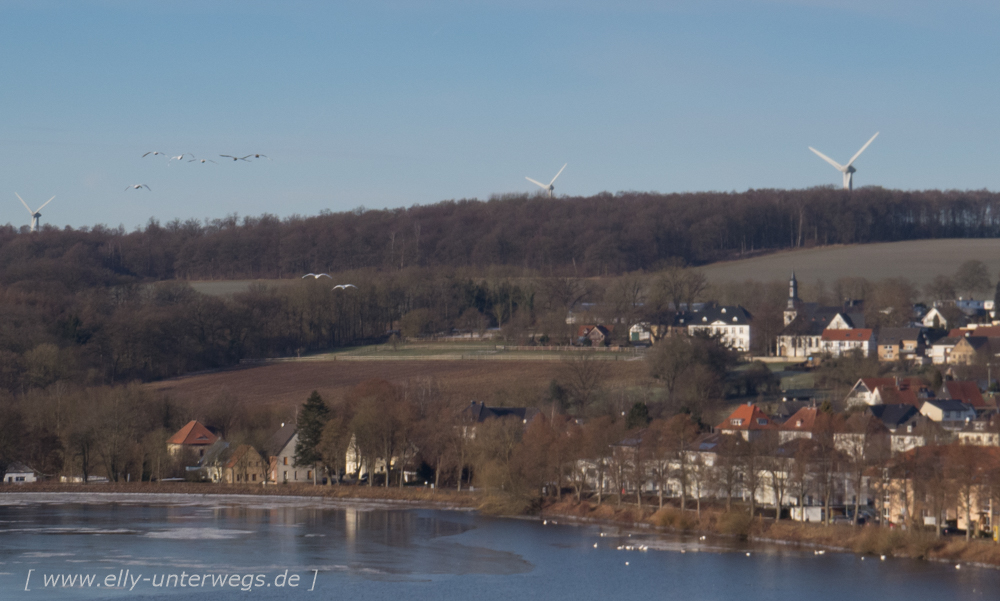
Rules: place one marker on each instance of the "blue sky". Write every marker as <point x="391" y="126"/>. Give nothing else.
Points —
<point x="389" y="104"/>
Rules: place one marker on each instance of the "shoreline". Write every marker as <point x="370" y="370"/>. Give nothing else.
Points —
<point x="863" y="541"/>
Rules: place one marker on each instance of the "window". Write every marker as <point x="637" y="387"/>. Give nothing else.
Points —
<point x="761" y="421"/>
<point x="286" y="460"/>
<point x="309" y="475"/>
<point x="736" y="421"/>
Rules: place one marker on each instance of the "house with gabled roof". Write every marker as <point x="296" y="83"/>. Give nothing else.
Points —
<point x="746" y="421"/>
<point x="19" y="473"/>
<point x="965" y="391"/>
<point x="194" y="436"/>
<point x="245" y="466"/>
<point x="799" y="425"/>
<point x="893" y="415"/>
<point x="865" y="391"/>
<point x="281" y="458"/>
<point x="839" y="342"/>
<point x="950" y="414"/>
<point x="731" y="324"/>
<point x="901" y="344"/>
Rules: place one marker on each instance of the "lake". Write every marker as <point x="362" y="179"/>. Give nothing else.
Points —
<point x="228" y="547"/>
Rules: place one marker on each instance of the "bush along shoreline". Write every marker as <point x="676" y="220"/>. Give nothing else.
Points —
<point x="867" y="540"/>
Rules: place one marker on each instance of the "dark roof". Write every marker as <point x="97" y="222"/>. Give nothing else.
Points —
<point x="892" y="416"/>
<point x="479" y="412"/>
<point x="897" y="335"/>
<point x="805" y="325"/>
<point x="214" y="454"/>
<point x="949" y="405"/>
<point x="729" y="314"/>
<point x="280" y="439"/>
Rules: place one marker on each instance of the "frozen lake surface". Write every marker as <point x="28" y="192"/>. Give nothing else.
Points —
<point x="220" y="547"/>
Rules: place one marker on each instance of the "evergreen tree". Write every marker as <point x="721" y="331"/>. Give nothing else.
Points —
<point x="638" y="416"/>
<point x="312" y="417"/>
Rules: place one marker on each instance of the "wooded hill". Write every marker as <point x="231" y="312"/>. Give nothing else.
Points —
<point x="600" y="235"/>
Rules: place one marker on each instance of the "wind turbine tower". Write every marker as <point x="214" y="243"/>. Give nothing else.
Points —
<point x="848" y="170"/>
<point x="34" y="214"/>
<point x="548" y="187"/>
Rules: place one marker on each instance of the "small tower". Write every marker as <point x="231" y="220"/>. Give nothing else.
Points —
<point x="792" y="310"/>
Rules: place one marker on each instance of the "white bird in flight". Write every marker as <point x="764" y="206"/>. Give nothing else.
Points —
<point x="202" y="161"/>
<point x="317" y="276"/>
<point x="154" y="153"/>
<point x="549" y="186"/>
<point x="229" y="156"/>
<point x="180" y="157"/>
<point x="258" y="156"/>
<point x="343" y="286"/>
<point x="137" y="187"/>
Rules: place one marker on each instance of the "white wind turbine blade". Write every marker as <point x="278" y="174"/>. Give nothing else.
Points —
<point x="862" y="150"/>
<point x="537" y="183"/>
<point x="827" y="159"/>
<point x="24" y="203"/>
<point x="557" y="175"/>
<point x="46" y="202"/>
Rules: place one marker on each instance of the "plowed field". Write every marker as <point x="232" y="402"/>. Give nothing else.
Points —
<point x="289" y="383"/>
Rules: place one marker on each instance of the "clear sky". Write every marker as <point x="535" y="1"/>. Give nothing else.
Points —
<point x="391" y="104"/>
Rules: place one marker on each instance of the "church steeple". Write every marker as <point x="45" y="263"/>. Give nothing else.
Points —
<point x="793" y="291"/>
<point x="792" y="311"/>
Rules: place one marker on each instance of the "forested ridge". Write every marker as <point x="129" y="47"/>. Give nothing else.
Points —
<point x="600" y="235"/>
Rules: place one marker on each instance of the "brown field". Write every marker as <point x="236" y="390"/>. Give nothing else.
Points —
<point x="917" y="260"/>
<point x="288" y="383"/>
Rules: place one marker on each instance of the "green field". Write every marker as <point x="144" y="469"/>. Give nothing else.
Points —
<point x="916" y="260"/>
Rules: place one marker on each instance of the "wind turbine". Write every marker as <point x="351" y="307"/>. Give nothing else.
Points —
<point x="548" y="187"/>
<point x="34" y="214"/>
<point x="848" y="170"/>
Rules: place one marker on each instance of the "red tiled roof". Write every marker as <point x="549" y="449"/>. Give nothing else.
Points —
<point x="856" y="334"/>
<point x="749" y="417"/>
<point x="802" y="420"/>
<point x="893" y="396"/>
<point x="193" y="433"/>
<point x="967" y="392"/>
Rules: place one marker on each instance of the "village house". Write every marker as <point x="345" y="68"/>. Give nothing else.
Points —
<point x="980" y="432"/>
<point x="747" y="422"/>
<point x="194" y="436"/>
<point x="934" y="319"/>
<point x="965" y="391"/>
<point x="597" y="335"/>
<point x="901" y="344"/>
<point x="799" y="425"/>
<point x="916" y="431"/>
<point x="211" y="463"/>
<point x="282" y="468"/>
<point x="950" y="414"/>
<point x="887" y="391"/>
<point x="245" y="466"/>
<point x="731" y="324"/>
<point x="969" y="350"/>
<point x="839" y="342"/>
<point x="19" y="473"/>
<point x="940" y="350"/>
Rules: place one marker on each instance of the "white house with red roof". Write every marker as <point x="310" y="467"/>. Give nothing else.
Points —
<point x="194" y="435"/>
<point x="747" y="421"/>
<point x="838" y="342"/>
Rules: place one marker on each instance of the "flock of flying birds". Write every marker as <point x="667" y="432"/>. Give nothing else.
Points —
<point x="317" y="276"/>
<point x="190" y="158"/>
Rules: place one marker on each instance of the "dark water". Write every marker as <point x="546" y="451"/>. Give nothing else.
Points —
<point x="377" y="552"/>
